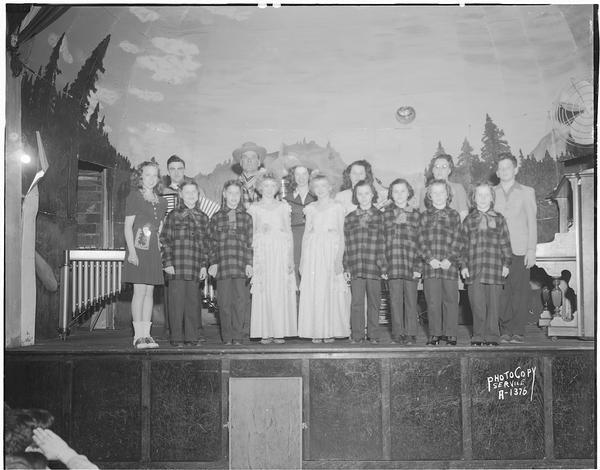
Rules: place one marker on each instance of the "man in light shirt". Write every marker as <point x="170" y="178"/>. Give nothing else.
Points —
<point x="517" y="203"/>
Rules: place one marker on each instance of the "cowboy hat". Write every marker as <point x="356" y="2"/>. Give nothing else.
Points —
<point x="249" y="146"/>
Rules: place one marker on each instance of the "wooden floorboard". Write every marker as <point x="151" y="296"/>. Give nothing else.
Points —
<point x="120" y="341"/>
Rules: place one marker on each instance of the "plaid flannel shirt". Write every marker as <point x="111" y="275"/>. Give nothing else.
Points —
<point x="485" y="246"/>
<point x="184" y="243"/>
<point x="401" y="237"/>
<point x="231" y="247"/>
<point x="364" y="244"/>
<point x="439" y="238"/>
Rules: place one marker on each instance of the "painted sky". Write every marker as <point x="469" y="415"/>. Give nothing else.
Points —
<point x="198" y="81"/>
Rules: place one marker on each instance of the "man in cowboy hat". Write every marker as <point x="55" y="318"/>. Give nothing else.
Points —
<point x="250" y="157"/>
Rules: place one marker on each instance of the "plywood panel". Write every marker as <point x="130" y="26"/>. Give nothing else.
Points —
<point x="265" y="423"/>
<point x="185" y="406"/>
<point x="507" y="419"/>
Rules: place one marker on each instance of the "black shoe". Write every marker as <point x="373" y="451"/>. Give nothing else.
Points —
<point x="451" y="340"/>
<point x="177" y="344"/>
<point x="476" y="343"/>
<point x="490" y="343"/>
<point x="444" y="338"/>
<point x="433" y="341"/>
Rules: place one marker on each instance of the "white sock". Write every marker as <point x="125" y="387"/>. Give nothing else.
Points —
<point x="138" y="330"/>
<point x="146" y="330"/>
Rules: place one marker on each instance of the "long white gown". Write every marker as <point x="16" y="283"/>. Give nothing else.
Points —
<point x="273" y="282"/>
<point x="324" y="310"/>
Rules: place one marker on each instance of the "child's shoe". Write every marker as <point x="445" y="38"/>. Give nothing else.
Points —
<point x="355" y="341"/>
<point x="410" y="340"/>
<point x="451" y="340"/>
<point x="517" y="339"/>
<point x="177" y="344"/>
<point x="266" y="341"/>
<point x="279" y="341"/>
<point x="475" y="342"/>
<point x="433" y="341"/>
<point x="317" y="340"/>
<point x="150" y="343"/>
<point x="329" y="340"/>
<point x="505" y="339"/>
<point x="373" y="340"/>
<point x="490" y="343"/>
<point x="140" y="343"/>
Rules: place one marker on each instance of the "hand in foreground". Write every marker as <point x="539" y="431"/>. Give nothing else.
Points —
<point x="416" y="275"/>
<point x="202" y="273"/>
<point x="212" y="270"/>
<point x="445" y="264"/>
<point x="52" y="445"/>
<point x="505" y="271"/>
<point x="464" y="272"/>
<point x="248" y="270"/>
<point x="347" y="276"/>
<point x="170" y="270"/>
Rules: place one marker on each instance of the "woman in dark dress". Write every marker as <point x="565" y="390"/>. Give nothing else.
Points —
<point x="144" y="214"/>
<point x="299" y="196"/>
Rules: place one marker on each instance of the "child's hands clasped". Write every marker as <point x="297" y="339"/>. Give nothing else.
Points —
<point x="170" y="270"/>
<point x="445" y="264"/>
<point x="416" y="275"/>
<point x="248" y="270"/>
<point x="505" y="271"/>
<point x="347" y="276"/>
<point x="435" y="263"/>
<point x="202" y="273"/>
<point x="464" y="272"/>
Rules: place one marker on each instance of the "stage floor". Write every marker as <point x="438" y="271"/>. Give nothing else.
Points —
<point x="119" y="340"/>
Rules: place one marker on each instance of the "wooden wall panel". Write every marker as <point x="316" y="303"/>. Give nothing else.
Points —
<point x="425" y="409"/>
<point x="265" y="423"/>
<point x="574" y="407"/>
<point x="345" y="409"/>
<point x="507" y="426"/>
<point x="106" y="418"/>
<point x="185" y="410"/>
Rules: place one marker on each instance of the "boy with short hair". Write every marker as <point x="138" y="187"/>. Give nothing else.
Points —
<point x="516" y="202"/>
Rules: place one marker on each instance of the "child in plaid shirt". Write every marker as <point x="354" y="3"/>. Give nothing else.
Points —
<point x="184" y="248"/>
<point x="364" y="261"/>
<point x="230" y="233"/>
<point x="439" y="247"/>
<point x="485" y="261"/>
<point x="401" y="228"/>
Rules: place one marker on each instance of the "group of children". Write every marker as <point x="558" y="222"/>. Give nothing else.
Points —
<point x="345" y="254"/>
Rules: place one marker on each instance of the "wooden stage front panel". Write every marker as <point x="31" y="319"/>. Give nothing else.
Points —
<point x="363" y="407"/>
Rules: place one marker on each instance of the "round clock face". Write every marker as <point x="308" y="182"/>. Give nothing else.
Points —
<point x="406" y="114"/>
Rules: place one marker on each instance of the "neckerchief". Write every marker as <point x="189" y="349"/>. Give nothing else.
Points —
<point x="486" y="220"/>
<point x="401" y="214"/>
<point x="364" y="216"/>
<point x="249" y="183"/>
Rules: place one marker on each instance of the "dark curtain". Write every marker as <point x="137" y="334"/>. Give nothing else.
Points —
<point x="44" y="18"/>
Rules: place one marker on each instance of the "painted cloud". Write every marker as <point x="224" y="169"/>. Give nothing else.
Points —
<point x="146" y="95"/>
<point x="144" y="14"/>
<point x="130" y="47"/>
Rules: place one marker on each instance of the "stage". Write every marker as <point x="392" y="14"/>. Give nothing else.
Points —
<point x="349" y="406"/>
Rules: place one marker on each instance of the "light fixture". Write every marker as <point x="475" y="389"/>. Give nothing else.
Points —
<point x="25" y="158"/>
<point x="276" y="4"/>
<point x="262" y="3"/>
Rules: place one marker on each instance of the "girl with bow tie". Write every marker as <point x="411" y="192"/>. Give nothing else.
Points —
<point x="485" y="260"/>
<point x="401" y="227"/>
<point x="439" y="248"/>
<point x="364" y="261"/>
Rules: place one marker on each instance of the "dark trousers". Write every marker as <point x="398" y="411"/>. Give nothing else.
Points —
<point x="441" y="296"/>
<point x="233" y="296"/>
<point x="184" y="309"/>
<point x="485" y="305"/>
<point x="515" y="299"/>
<point x="403" y="306"/>
<point x="372" y="287"/>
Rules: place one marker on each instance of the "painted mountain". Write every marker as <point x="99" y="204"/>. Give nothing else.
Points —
<point x="553" y="142"/>
<point x="310" y="154"/>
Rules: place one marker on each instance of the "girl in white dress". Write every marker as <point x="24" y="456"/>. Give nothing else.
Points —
<point x="273" y="289"/>
<point x="324" y="312"/>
